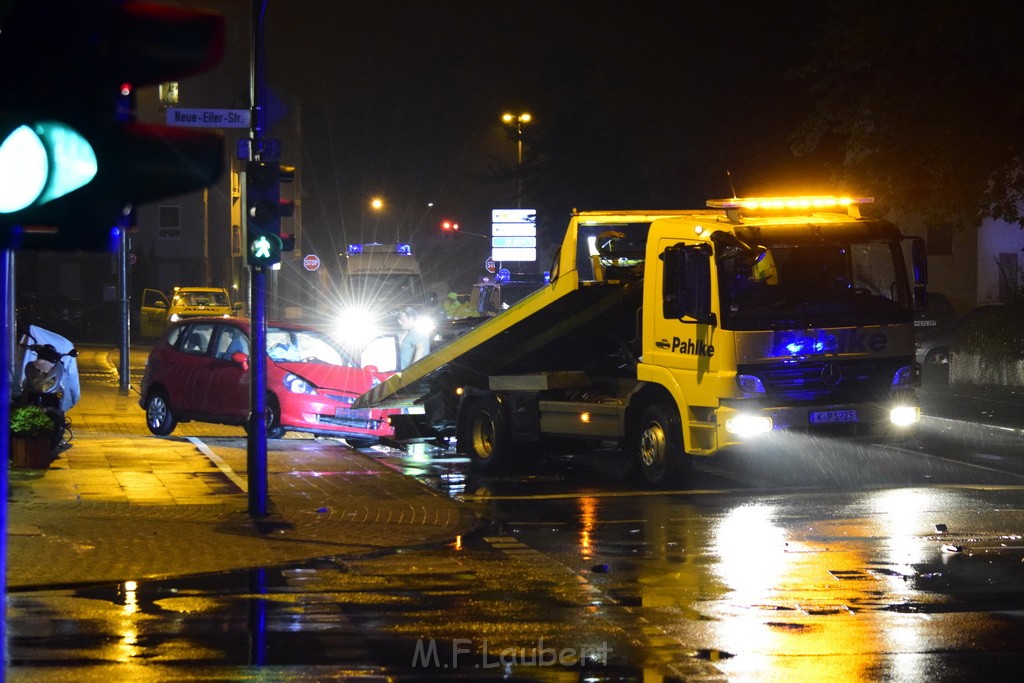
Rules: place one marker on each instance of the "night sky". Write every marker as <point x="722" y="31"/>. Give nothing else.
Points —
<point x="639" y="105"/>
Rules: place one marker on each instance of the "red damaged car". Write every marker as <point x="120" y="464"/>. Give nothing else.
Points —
<point x="199" y="370"/>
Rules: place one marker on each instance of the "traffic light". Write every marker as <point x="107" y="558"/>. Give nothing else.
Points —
<point x="265" y="209"/>
<point x="264" y="249"/>
<point x="72" y="162"/>
<point x="449" y="229"/>
<point x="286" y="174"/>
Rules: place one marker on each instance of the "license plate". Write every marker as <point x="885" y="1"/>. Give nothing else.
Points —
<point x="833" y="416"/>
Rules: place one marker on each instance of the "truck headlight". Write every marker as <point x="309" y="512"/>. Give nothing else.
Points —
<point x="748" y="425"/>
<point x="904" y="376"/>
<point x="751" y="384"/>
<point x="904" y="416"/>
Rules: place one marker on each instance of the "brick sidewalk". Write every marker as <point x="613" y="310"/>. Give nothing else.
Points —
<point x="120" y="504"/>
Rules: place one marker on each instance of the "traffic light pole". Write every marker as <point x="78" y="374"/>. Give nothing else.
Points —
<point x="7" y="342"/>
<point x="256" y="452"/>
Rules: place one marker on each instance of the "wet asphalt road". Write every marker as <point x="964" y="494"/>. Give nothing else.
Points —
<point x="806" y="561"/>
<point x="797" y="561"/>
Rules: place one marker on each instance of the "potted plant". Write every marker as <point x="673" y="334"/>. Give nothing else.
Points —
<point x="31" y="437"/>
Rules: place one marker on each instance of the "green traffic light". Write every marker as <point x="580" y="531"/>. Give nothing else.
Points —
<point x="264" y="250"/>
<point x="42" y="162"/>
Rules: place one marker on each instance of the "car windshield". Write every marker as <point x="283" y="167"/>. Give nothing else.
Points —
<point x="309" y="346"/>
<point x="819" y="283"/>
<point x="201" y="299"/>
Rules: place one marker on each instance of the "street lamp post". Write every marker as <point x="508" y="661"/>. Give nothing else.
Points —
<point x="519" y="120"/>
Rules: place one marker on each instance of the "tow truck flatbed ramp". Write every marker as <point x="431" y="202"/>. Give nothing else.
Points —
<point x="568" y="325"/>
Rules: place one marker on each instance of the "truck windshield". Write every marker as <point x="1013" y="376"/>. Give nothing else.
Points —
<point x="389" y="291"/>
<point x="817" y="283"/>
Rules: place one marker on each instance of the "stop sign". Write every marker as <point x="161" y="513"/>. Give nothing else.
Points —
<point x="489" y="265"/>
<point x="311" y="262"/>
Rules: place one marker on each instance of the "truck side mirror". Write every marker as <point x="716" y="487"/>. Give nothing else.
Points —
<point x="686" y="287"/>
<point x="919" y="262"/>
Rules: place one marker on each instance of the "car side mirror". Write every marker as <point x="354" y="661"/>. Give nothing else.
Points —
<point x="241" y="358"/>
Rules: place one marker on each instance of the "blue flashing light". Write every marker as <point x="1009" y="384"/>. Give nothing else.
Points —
<point x="751" y="384"/>
<point x="504" y="275"/>
<point x="904" y="376"/>
<point x="404" y="249"/>
<point x="547" y="277"/>
<point x="355" y="249"/>
<point x="804" y="343"/>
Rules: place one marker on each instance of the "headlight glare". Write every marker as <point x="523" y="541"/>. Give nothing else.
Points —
<point x="904" y="416"/>
<point x="748" y="425"/>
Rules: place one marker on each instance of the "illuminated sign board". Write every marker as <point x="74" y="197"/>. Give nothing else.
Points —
<point x="514" y="234"/>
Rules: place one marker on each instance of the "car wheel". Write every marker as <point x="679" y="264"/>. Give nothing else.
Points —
<point x="937" y="356"/>
<point x="660" y="449"/>
<point x="359" y="443"/>
<point x="274" y="428"/>
<point x="483" y="435"/>
<point x="159" y="416"/>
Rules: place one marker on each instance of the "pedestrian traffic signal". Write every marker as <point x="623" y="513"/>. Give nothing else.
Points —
<point x="265" y="208"/>
<point x="264" y="249"/>
<point x="72" y="160"/>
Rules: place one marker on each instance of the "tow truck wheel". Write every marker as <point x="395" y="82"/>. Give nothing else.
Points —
<point x="483" y="435"/>
<point x="660" y="449"/>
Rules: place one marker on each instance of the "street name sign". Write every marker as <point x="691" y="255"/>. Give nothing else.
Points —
<point x="208" y="118"/>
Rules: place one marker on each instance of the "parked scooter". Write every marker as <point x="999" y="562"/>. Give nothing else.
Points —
<point x="48" y="378"/>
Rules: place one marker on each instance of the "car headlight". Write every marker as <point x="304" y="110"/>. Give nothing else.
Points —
<point x="297" y="385"/>
<point x="174" y="317"/>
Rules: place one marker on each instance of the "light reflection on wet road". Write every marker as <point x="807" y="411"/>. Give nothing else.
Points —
<point x="807" y="561"/>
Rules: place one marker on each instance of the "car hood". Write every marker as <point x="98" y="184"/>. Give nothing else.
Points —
<point x="336" y="377"/>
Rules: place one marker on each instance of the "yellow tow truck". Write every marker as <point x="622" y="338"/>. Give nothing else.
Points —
<point x="672" y="334"/>
<point x="156" y="311"/>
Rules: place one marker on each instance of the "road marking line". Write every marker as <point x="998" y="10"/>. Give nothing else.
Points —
<point x="598" y="494"/>
<point x="955" y="462"/>
<point x="219" y="462"/>
<point x="998" y="428"/>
